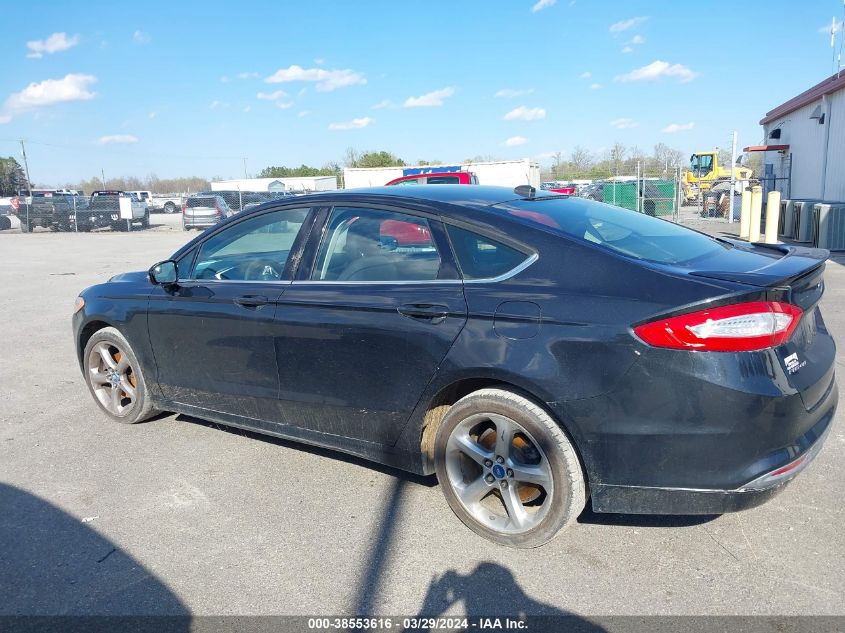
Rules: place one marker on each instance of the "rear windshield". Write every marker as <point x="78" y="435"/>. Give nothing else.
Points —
<point x="200" y="202"/>
<point x="626" y="232"/>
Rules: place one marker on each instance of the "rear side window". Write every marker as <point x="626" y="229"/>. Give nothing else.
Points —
<point x="626" y="232"/>
<point x="444" y="180"/>
<point x="482" y="258"/>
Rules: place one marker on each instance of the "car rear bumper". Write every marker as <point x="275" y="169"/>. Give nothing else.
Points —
<point x="200" y="221"/>
<point x="665" y="500"/>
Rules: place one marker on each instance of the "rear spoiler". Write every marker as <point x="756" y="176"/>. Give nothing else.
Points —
<point x="795" y="262"/>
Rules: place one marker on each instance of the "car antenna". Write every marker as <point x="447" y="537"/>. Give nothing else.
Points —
<point x="525" y="191"/>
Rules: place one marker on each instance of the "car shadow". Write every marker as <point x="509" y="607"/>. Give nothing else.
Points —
<point x="429" y="481"/>
<point x="589" y="517"/>
<point x="53" y="564"/>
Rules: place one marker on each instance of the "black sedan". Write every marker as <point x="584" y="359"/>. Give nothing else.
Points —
<point x="535" y="351"/>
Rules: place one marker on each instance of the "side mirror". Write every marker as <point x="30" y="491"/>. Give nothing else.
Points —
<point x="164" y="273"/>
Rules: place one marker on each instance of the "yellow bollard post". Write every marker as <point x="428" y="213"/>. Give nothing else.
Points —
<point x="745" y="214"/>
<point x="756" y="212"/>
<point x="772" y="216"/>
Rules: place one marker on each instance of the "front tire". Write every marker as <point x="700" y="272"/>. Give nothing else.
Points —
<point x="115" y="379"/>
<point x="507" y="470"/>
<point x="169" y="207"/>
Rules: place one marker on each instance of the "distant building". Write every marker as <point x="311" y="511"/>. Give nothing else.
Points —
<point x="804" y="155"/>
<point x="304" y="183"/>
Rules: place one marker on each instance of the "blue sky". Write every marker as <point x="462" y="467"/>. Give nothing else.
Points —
<point x="180" y="88"/>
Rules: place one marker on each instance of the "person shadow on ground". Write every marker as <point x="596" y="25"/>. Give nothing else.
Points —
<point x="492" y="591"/>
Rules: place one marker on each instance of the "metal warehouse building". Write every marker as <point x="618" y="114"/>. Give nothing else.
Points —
<point x="805" y="144"/>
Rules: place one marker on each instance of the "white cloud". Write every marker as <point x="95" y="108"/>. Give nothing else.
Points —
<point x="624" y="25"/>
<point x="837" y="27"/>
<point x="586" y="74"/>
<point x="117" y="138"/>
<point x="430" y="99"/>
<point x="542" y="4"/>
<point x="247" y="108"/>
<point x="672" y="128"/>
<point x="54" y="43"/>
<point x="73" y="87"/>
<point x="139" y="37"/>
<point x="637" y="40"/>
<point x="627" y="49"/>
<point x="523" y="113"/>
<point x="624" y="124"/>
<point x="595" y="86"/>
<point x="509" y="93"/>
<point x="319" y="61"/>
<point x="354" y="124"/>
<point x="381" y="105"/>
<point x="303" y="113"/>
<point x="247" y="75"/>
<point x="657" y="70"/>
<point x="284" y="105"/>
<point x="271" y="96"/>
<point x="513" y="141"/>
<point x="224" y="79"/>
<point x="326" y="80"/>
<point x="152" y="115"/>
<point x="218" y="104"/>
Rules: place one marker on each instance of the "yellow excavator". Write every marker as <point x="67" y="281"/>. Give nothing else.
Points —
<point x="705" y="171"/>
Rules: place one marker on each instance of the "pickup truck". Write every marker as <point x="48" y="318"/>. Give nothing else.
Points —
<point x="54" y="210"/>
<point x="107" y="206"/>
<point x="163" y="203"/>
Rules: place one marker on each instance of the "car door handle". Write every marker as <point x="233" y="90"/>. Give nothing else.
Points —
<point x="251" y="301"/>
<point x="425" y="312"/>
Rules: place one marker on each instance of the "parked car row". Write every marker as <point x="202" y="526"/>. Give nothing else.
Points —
<point x="65" y="210"/>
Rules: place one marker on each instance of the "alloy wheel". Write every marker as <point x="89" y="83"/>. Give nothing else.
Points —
<point x="499" y="473"/>
<point x="112" y="378"/>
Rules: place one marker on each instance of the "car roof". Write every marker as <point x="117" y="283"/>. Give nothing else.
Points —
<point x="476" y="196"/>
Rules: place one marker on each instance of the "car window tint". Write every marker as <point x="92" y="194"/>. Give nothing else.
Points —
<point x="444" y="180"/>
<point x="372" y="245"/>
<point x="255" y="249"/>
<point x="482" y="258"/>
<point x="411" y="181"/>
<point x="626" y="232"/>
<point x="200" y="202"/>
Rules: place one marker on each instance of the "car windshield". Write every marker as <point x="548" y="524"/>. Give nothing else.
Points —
<point x="616" y="229"/>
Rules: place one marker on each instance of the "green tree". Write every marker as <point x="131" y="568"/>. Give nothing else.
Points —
<point x="12" y="177"/>
<point x="379" y="159"/>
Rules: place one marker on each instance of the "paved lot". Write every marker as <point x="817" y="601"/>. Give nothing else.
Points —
<point x="177" y="516"/>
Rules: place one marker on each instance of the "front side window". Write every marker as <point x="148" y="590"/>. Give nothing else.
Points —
<point x="255" y="249"/>
<point x="373" y="245"/>
<point x="482" y="258"/>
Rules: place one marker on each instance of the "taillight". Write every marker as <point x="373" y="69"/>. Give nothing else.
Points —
<point x="217" y="208"/>
<point x="740" y="327"/>
<point x="184" y="207"/>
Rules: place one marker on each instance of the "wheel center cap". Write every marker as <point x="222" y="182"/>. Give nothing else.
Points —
<point x="114" y="379"/>
<point x="498" y="471"/>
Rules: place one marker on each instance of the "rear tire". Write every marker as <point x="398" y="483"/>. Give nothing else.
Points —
<point x="169" y="207"/>
<point x="519" y="492"/>
<point x="145" y="222"/>
<point x="115" y="378"/>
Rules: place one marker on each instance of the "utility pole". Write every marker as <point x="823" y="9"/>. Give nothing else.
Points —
<point x="733" y="180"/>
<point x="26" y="167"/>
<point x="103" y="174"/>
<point x="245" y="176"/>
<point x="28" y="186"/>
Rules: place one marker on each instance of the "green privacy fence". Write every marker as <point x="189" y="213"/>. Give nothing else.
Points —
<point x="658" y="196"/>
